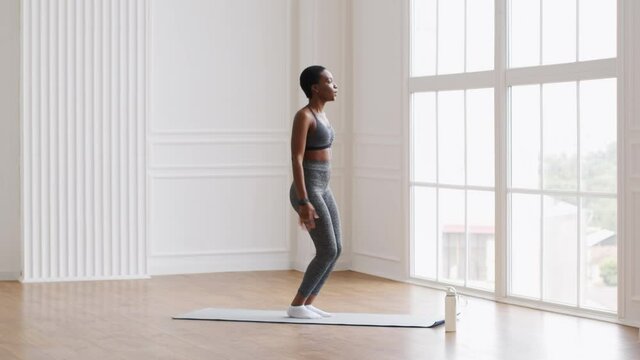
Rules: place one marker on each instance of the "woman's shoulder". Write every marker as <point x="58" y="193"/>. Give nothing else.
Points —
<point x="303" y="115"/>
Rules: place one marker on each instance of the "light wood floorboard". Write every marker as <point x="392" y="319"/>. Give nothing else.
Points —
<point x="131" y="319"/>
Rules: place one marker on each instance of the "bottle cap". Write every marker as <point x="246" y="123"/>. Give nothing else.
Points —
<point x="451" y="291"/>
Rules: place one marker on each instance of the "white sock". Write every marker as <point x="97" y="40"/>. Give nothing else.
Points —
<point x="318" y="311"/>
<point x="301" y="312"/>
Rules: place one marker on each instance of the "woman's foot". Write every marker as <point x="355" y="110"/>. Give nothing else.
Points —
<point x="301" y="312"/>
<point x="318" y="311"/>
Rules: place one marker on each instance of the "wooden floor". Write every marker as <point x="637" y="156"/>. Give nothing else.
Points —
<point x="132" y="320"/>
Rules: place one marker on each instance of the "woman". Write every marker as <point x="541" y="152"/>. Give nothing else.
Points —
<point x="310" y="195"/>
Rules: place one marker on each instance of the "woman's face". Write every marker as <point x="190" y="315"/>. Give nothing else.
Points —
<point x="326" y="89"/>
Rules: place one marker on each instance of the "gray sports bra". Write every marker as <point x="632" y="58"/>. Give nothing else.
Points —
<point x="321" y="138"/>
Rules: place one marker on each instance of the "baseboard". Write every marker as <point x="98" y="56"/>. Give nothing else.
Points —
<point x="209" y="263"/>
<point x="85" y="278"/>
<point x="387" y="269"/>
<point x="167" y="265"/>
<point x="302" y="267"/>
<point x="299" y="266"/>
<point x="9" y="276"/>
<point x="342" y="266"/>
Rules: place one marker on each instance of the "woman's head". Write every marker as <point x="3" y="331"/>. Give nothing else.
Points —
<point x="317" y="80"/>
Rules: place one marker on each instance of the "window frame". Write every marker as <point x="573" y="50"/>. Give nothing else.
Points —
<point x="500" y="79"/>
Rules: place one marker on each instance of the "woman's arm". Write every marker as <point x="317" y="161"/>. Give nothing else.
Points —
<point x="301" y="126"/>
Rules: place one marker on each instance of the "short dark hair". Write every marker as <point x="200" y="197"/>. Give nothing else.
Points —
<point x="310" y="76"/>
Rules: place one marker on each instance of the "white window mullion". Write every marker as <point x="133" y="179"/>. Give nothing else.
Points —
<point x="584" y="70"/>
<point x="561" y="193"/>
<point x="464" y="65"/>
<point x="473" y="80"/>
<point x="437" y="35"/>
<point x="577" y="30"/>
<point x="541" y="33"/>
<point x="502" y="26"/>
<point x="579" y="198"/>
<point x="500" y="149"/>
<point x="466" y="192"/>
<point x="541" y="172"/>
<point x="412" y="237"/>
<point x="452" y="186"/>
<point x="437" y="189"/>
<point x="579" y="275"/>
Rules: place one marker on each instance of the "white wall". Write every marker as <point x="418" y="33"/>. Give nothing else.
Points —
<point x="84" y="112"/>
<point x="224" y="82"/>
<point x="218" y="135"/>
<point x="322" y="35"/>
<point x="379" y="198"/>
<point x="223" y="78"/>
<point x="10" y="140"/>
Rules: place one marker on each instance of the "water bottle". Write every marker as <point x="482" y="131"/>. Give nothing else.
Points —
<point x="450" y="309"/>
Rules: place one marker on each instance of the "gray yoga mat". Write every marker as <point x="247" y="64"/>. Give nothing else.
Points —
<point x="280" y="316"/>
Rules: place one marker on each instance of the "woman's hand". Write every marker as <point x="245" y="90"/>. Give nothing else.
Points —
<point x="307" y="216"/>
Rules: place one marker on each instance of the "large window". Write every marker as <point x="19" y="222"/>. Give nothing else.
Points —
<point x="452" y="182"/>
<point x="562" y="192"/>
<point x="548" y="114"/>
<point x="453" y="186"/>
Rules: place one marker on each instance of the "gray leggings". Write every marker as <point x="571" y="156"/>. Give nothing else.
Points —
<point x="326" y="235"/>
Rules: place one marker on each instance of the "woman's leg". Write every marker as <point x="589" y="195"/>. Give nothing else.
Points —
<point x="324" y="239"/>
<point x="334" y="214"/>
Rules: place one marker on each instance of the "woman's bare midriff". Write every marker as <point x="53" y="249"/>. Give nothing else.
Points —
<point x="318" y="155"/>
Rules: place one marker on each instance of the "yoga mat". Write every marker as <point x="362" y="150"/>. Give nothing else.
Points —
<point x="280" y="316"/>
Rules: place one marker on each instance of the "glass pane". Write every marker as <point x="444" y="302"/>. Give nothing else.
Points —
<point x="451" y="229"/>
<point x="558" y="31"/>
<point x="423" y="38"/>
<point x="481" y="239"/>
<point x="598" y="134"/>
<point x="450" y="36"/>
<point x="525" y="245"/>
<point x="451" y="137"/>
<point x="480" y="144"/>
<point x="524" y="28"/>
<point x="559" y="142"/>
<point x="525" y="136"/>
<point x="599" y="254"/>
<point x="480" y="27"/>
<point x="424" y="231"/>
<point x="597" y="29"/>
<point x="560" y="254"/>
<point x="424" y="137"/>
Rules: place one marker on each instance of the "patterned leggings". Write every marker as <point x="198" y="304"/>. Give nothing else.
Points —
<point x="326" y="235"/>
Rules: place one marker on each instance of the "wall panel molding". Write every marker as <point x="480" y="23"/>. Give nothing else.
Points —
<point x="194" y="154"/>
<point x="376" y="174"/>
<point x="219" y="263"/>
<point x="377" y="256"/>
<point x="376" y="229"/>
<point x="84" y="123"/>
<point x="219" y="216"/>
<point x="220" y="174"/>
<point x="237" y="132"/>
<point x="378" y="156"/>
<point x="221" y="252"/>
<point x="220" y="67"/>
